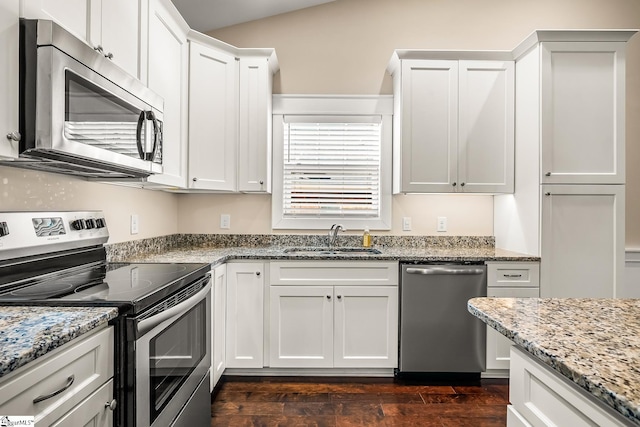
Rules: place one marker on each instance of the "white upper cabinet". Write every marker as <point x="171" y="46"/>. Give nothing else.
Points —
<point x="167" y="75"/>
<point x="115" y="27"/>
<point x="582" y="105"/>
<point x="254" y="132"/>
<point x="213" y="120"/>
<point x="229" y="116"/>
<point x="453" y="124"/>
<point x="9" y="79"/>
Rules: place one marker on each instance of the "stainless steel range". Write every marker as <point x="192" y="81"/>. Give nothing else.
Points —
<point x="163" y="333"/>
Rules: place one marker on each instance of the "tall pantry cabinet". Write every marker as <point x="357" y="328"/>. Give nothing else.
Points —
<point x="568" y="204"/>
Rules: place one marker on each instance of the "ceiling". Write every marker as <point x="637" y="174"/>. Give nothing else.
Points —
<point x="206" y="15"/>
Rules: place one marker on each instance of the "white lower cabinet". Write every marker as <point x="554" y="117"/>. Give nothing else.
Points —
<point x="218" y="317"/>
<point x="324" y="314"/>
<point x="540" y="396"/>
<point x="84" y="366"/>
<point x="244" y="315"/>
<point x="508" y="279"/>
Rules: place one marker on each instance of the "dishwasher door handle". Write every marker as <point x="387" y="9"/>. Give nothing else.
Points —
<point x="444" y="271"/>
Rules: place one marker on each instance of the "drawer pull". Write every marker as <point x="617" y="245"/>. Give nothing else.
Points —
<point x="513" y="276"/>
<point x="57" y="392"/>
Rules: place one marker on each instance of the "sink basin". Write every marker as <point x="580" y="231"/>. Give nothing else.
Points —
<point x="331" y="251"/>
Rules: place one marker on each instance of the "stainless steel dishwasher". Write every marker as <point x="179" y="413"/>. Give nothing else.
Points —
<point x="437" y="333"/>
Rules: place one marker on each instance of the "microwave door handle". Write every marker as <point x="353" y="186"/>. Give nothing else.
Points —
<point x="141" y="119"/>
<point x="144" y="326"/>
<point x="151" y="116"/>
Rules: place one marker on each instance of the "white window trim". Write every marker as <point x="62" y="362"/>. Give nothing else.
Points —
<point x="329" y="105"/>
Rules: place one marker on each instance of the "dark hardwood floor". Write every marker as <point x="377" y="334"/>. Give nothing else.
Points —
<point x="276" y="401"/>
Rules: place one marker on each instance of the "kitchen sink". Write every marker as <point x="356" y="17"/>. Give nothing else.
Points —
<point x="315" y="250"/>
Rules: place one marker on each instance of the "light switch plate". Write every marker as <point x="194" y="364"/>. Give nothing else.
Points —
<point x="225" y="221"/>
<point x="442" y="223"/>
<point x="406" y="223"/>
<point x="135" y="222"/>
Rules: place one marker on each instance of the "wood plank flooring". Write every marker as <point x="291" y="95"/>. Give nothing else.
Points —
<point x="288" y="401"/>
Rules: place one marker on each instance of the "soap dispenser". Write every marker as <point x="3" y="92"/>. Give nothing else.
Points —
<point x="366" y="238"/>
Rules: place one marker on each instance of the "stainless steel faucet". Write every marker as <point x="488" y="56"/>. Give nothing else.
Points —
<point x="333" y="234"/>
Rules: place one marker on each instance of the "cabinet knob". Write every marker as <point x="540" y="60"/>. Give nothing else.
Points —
<point x="14" y="136"/>
<point x="547" y="194"/>
<point x="111" y="405"/>
<point x="454" y="184"/>
<point x="547" y="174"/>
<point x="257" y="273"/>
<point x="261" y="182"/>
<point x="339" y="296"/>
<point x="462" y="184"/>
<point x="329" y="297"/>
<point x="195" y="179"/>
<point x="109" y="55"/>
<point x="98" y="48"/>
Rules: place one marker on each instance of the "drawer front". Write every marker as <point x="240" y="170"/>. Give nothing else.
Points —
<point x="513" y="292"/>
<point x="345" y="273"/>
<point x="513" y="274"/>
<point x="93" y="411"/>
<point x="89" y="361"/>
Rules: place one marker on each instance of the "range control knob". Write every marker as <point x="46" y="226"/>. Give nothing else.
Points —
<point x="4" y="229"/>
<point x="91" y="223"/>
<point x="78" y="224"/>
<point x="100" y="223"/>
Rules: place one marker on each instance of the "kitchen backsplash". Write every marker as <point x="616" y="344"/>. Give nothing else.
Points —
<point x="134" y="248"/>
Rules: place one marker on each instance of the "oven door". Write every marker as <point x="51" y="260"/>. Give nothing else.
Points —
<point x="172" y="357"/>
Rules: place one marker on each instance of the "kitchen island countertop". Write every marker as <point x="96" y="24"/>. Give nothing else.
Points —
<point x="28" y="332"/>
<point x="595" y="343"/>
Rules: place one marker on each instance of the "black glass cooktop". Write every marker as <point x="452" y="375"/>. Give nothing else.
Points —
<point x="131" y="286"/>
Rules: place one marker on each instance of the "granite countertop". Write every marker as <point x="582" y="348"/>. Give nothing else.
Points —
<point x="27" y="333"/>
<point x="593" y="342"/>
<point x="219" y="255"/>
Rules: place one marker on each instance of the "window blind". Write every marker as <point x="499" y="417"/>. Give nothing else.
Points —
<point x="331" y="167"/>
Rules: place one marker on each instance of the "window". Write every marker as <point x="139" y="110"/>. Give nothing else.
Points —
<point x="331" y="169"/>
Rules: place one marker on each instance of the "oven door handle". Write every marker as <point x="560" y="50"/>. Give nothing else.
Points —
<point x="144" y="326"/>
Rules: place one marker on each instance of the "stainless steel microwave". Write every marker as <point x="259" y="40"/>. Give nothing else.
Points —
<point x="80" y="113"/>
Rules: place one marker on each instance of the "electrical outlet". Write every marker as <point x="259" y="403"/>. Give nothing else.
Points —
<point x="135" y="223"/>
<point x="442" y="223"/>
<point x="406" y="223"/>
<point x="225" y="221"/>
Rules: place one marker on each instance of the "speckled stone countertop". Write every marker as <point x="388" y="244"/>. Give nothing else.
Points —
<point x="220" y="255"/>
<point x="218" y="248"/>
<point x="27" y="333"/>
<point x="593" y="342"/>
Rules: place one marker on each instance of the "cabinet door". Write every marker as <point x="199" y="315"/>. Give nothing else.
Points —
<point x="167" y="76"/>
<point x="212" y="119"/>
<point x="486" y="127"/>
<point x="582" y="241"/>
<point x="219" y="304"/>
<point x="244" y="322"/>
<point x="74" y="15"/>
<point x="366" y="327"/>
<point x="254" y="135"/>
<point x="429" y="126"/>
<point x="499" y="346"/>
<point x="116" y="26"/>
<point x="582" y="112"/>
<point x="301" y="326"/>
<point x="9" y="77"/>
